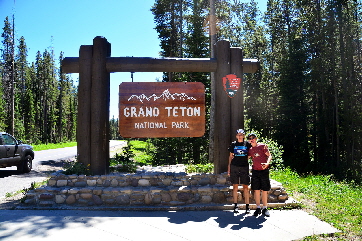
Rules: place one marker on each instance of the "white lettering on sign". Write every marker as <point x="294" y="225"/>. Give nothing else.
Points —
<point x="151" y="125"/>
<point x="180" y="125"/>
<point x="156" y="110"/>
<point x="147" y="112"/>
<point x="155" y="125"/>
<point x="183" y="111"/>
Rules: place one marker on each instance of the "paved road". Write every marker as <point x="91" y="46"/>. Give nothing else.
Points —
<point x="53" y="155"/>
<point x="282" y="225"/>
<point x="46" y="156"/>
<point x="11" y="181"/>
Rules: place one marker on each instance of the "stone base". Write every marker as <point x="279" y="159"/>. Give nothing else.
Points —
<point x="156" y="190"/>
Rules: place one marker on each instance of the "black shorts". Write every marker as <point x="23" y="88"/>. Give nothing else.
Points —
<point x="260" y="180"/>
<point x="239" y="175"/>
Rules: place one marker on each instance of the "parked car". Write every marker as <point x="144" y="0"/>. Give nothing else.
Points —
<point x="14" y="153"/>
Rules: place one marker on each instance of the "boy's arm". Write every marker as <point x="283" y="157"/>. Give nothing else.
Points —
<point x="230" y="158"/>
<point x="266" y="165"/>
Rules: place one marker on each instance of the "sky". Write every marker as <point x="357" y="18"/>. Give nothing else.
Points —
<point x="65" y="25"/>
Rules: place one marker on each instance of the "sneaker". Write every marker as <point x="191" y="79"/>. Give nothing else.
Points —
<point x="266" y="212"/>
<point x="257" y="212"/>
<point x="236" y="210"/>
<point x="247" y="210"/>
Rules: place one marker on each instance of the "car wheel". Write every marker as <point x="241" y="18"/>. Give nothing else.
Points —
<point x="26" y="165"/>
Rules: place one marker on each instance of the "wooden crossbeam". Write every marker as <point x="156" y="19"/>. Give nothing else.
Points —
<point x="144" y="64"/>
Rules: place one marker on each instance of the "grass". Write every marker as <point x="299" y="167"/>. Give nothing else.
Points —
<point x="141" y="150"/>
<point x="42" y="147"/>
<point x="335" y="202"/>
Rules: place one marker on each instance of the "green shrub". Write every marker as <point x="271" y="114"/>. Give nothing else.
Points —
<point x="143" y="151"/>
<point x="76" y="168"/>
<point x="276" y="151"/>
<point x="123" y="162"/>
<point x="200" y="168"/>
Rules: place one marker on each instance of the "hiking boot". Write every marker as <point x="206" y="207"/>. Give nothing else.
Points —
<point x="257" y="212"/>
<point x="266" y="212"/>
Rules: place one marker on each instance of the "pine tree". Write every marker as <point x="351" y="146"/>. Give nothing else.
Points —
<point x="2" y="109"/>
<point x="181" y="32"/>
<point x="20" y="87"/>
<point x="60" y="103"/>
<point x="50" y="96"/>
<point x="168" y="16"/>
<point x="113" y="129"/>
<point x="30" y="107"/>
<point x="8" y="73"/>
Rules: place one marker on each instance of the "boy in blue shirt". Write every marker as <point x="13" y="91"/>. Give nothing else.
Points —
<point x="238" y="168"/>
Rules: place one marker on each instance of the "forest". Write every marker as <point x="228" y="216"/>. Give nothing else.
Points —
<point x="306" y="95"/>
<point x="38" y="103"/>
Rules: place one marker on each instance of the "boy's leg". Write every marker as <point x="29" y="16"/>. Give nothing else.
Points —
<point x="246" y="193"/>
<point x="234" y="179"/>
<point x="257" y="202"/>
<point x="264" y="196"/>
<point x="265" y="188"/>
<point x="257" y="197"/>
<point x="235" y="193"/>
<point x="235" y="197"/>
<point x="246" y="197"/>
<point x="256" y="186"/>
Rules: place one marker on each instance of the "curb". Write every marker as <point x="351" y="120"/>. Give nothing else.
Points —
<point x="289" y="204"/>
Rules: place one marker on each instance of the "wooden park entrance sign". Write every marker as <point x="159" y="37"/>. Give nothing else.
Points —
<point x="94" y="66"/>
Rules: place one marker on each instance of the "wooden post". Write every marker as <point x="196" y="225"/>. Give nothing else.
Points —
<point x="99" y="146"/>
<point x="222" y="108"/>
<point x="84" y="104"/>
<point x="213" y="38"/>
<point x="237" y="104"/>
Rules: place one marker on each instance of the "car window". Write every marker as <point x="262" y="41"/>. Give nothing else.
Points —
<point x="8" y="140"/>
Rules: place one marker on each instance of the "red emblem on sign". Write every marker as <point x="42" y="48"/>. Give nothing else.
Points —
<point x="231" y="84"/>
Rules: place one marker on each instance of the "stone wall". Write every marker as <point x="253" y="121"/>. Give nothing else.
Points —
<point x="155" y="189"/>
